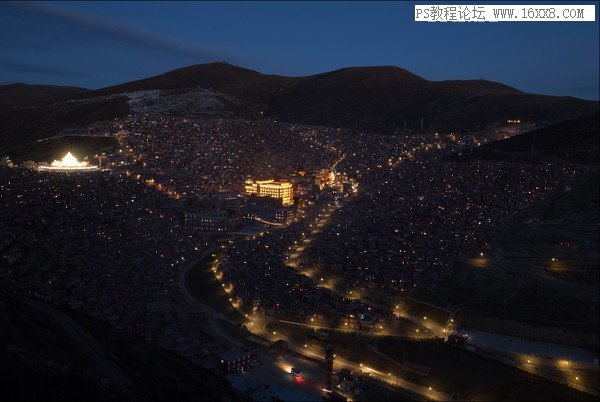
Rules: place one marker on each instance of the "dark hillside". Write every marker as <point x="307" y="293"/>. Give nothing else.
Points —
<point x="49" y="354"/>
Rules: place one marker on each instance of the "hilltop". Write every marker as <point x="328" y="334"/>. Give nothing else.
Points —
<point x="384" y="99"/>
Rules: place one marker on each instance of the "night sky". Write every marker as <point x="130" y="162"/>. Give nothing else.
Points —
<point x="96" y="44"/>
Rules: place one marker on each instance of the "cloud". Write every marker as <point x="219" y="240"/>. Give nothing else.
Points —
<point x="101" y="28"/>
<point x="13" y="67"/>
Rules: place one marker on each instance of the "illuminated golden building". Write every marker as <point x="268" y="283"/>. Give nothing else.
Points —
<point x="68" y="164"/>
<point x="282" y="190"/>
<point x="324" y="178"/>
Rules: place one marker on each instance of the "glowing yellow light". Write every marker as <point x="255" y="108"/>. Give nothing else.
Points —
<point x="271" y="188"/>
<point x="68" y="162"/>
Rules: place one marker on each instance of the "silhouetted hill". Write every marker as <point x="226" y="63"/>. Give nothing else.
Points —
<point x="22" y="125"/>
<point x="222" y="77"/>
<point x="479" y="86"/>
<point x="388" y="99"/>
<point x="575" y="140"/>
<point x="53" y="148"/>
<point x="49" y="354"/>
<point x="381" y="99"/>
<point x="360" y="97"/>
<point x="35" y="95"/>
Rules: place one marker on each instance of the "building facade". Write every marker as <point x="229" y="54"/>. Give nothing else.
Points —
<point x="235" y="360"/>
<point x="281" y="190"/>
<point x="210" y="221"/>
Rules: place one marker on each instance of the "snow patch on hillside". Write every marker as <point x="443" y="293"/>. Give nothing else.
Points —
<point x="194" y="102"/>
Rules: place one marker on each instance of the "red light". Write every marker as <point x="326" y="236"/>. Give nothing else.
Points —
<point x="299" y="379"/>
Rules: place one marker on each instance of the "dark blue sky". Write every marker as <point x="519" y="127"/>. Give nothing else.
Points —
<point x="95" y="44"/>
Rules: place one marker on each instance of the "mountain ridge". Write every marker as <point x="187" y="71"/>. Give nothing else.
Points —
<point x="382" y="99"/>
<point x="20" y="94"/>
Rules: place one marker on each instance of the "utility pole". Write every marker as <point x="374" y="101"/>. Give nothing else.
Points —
<point x="329" y="367"/>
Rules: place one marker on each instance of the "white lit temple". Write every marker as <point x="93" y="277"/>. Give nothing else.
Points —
<point x="68" y="164"/>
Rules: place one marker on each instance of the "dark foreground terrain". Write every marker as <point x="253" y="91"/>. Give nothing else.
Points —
<point x="53" y="354"/>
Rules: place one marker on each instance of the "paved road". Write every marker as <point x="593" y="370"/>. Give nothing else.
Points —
<point x="260" y="328"/>
<point x="435" y="328"/>
<point x="213" y="316"/>
<point x="277" y="373"/>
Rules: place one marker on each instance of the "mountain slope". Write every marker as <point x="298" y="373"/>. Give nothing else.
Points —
<point x="384" y="99"/>
<point x="48" y="354"/>
<point x="388" y="99"/>
<point x="21" y="125"/>
<point x="575" y="140"/>
<point x="350" y="97"/>
<point x="380" y="99"/>
<point x="35" y="95"/>
<point x="222" y="77"/>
